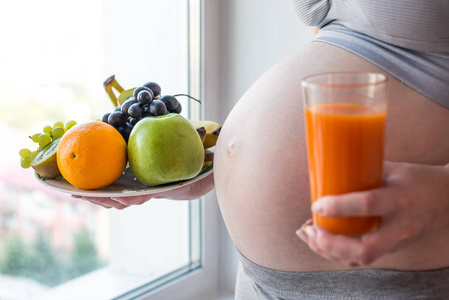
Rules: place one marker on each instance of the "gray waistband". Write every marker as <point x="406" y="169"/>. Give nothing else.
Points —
<point x="351" y="284"/>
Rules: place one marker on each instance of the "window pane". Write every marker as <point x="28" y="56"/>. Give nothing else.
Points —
<point x="53" y="70"/>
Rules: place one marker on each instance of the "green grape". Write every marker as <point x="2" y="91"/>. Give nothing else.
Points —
<point x="58" y="124"/>
<point x="47" y="129"/>
<point x="44" y="139"/>
<point x="33" y="154"/>
<point x="25" y="162"/>
<point x="57" y="132"/>
<point x="24" y="152"/>
<point x="70" y="124"/>
<point x="35" y="137"/>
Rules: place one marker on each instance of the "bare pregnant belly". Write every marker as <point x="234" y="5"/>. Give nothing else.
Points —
<point x="261" y="165"/>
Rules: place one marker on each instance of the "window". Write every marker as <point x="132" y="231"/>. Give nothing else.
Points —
<point x="51" y="245"/>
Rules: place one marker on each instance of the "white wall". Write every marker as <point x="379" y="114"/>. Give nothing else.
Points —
<point x="254" y="36"/>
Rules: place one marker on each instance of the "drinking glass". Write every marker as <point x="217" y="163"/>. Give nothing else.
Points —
<point x="345" y="117"/>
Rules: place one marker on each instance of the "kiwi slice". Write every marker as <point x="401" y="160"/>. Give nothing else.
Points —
<point x="44" y="163"/>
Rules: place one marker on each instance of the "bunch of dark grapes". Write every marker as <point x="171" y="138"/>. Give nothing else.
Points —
<point x="146" y="101"/>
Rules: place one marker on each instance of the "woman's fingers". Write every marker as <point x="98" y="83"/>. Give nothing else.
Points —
<point x="356" y="251"/>
<point x="411" y="204"/>
<point x="374" y="202"/>
<point x="347" y="250"/>
<point x="102" y="201"/>
<point x="106" y="202"/>
<point x="134" y="200"/>
<point x="381" y="201"/>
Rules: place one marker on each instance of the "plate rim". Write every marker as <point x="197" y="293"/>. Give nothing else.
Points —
<point x="96" y="193"/>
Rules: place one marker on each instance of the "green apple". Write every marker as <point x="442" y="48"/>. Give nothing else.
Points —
<point x="165" y="149"/>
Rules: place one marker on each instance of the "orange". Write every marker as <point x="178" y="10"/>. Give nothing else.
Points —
<point x="91" y="155"/>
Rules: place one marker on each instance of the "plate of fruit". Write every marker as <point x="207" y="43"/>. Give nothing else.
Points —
<point x="144" y="146"/>
<point x="126" y="185"/>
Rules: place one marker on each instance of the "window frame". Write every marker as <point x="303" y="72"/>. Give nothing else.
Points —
<point x="200" y="279"/>
<point x="203" y="282"/>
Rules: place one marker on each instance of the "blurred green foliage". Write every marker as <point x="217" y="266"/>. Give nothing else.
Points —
<point x="43" y="263"/>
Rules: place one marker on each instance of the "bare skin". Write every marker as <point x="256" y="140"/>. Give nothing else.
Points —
<point x="262" y="183"/>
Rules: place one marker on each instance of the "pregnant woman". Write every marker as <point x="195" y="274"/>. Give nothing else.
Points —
<point x="262" y="183"/>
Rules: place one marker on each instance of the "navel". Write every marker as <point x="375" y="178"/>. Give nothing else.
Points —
<point x="231" y="148"/>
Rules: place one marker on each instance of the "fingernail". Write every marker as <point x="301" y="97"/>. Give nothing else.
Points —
<point x="317" y="207"/>
<point x="310" y="231"/>
<point x="115" y="199"/>
<point x="300" y="233"/>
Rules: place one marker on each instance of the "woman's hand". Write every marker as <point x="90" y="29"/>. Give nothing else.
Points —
<point x="188" y="192"/>
<point x="412" y="204"/>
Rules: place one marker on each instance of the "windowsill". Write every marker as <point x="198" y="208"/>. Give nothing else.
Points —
<point x="105" y="284"/>
<point x="102" y="284"/>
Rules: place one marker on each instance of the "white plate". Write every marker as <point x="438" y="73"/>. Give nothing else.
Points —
<point x="125" y="186"/>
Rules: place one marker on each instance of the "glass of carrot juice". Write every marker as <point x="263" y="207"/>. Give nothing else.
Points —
<point x="345" y="123"/>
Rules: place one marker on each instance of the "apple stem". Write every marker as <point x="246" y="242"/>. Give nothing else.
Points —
<point x="188" y="97"/>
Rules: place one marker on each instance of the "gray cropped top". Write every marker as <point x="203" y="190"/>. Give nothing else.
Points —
<point x="407" y="38"/>
<point x="421" y="25"/>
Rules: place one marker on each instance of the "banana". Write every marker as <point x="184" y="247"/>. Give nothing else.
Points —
<point x="212" y="132"/>
<point x="110" y="83"/>
<point x="117" y="86"/>
<point x="202" y="132"/>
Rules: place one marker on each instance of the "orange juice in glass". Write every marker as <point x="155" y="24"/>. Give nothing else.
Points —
<point x="345" y="123"/>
